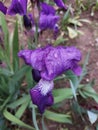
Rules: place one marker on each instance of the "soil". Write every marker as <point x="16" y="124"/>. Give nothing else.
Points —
<point x="89" y="43"/>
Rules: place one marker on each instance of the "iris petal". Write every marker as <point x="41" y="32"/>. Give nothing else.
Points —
<point x="60" y="4"/>
<point x="25" y="54"/>
<point x="47" y="9"/>
<point x="48" y="21"/>
<point x="41" y="95"/>
<point x="53" y="61"/>
<point x="3" y="8"/>
<point x="48" y="18"/>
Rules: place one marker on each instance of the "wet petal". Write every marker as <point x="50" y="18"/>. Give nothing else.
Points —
<point x="18" y="7"/>
<point x="3" y="8"/>
<point x="53" y="61"/>
<point x="60" y="4"/>
<point x="41" y="94"/>
<point x="59" y="60"/>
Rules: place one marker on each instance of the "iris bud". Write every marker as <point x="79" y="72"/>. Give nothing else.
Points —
<point x="27" y="22"/>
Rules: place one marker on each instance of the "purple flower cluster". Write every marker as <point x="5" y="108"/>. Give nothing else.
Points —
<point x="50" y="62"/>
<point x="48" y="18"/>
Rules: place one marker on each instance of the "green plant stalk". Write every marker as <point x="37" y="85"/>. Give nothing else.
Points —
<point x="34" y="118"/>
<point x="43" y="124"/>
<point x="77" y="3"/>
<point x="96" y="4"/>
<point x="36" y="35"/>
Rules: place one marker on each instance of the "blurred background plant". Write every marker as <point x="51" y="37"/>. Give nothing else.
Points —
<point x="16" y="80"/>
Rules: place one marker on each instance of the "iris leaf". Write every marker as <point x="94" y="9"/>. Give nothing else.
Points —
<point x="62" y="94"/>
<point x="22" y="108"/>
<point x="5" y="31"/>
<point x="15" y="47"/>
<point x="18" y="102"/>
<point x="62" y="118"/>
<point x="15" y="120"/>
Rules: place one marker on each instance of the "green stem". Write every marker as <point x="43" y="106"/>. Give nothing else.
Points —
<point x="36" y="35"/>
<point x="34" y="118"/>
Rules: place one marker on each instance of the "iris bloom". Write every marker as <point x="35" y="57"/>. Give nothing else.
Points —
<point x="48" y="18"/>
<point x="18" y="7"/>
<point x="50" y="62"/>
<point x="60" y="4"/>
<point x="3" y="8"/>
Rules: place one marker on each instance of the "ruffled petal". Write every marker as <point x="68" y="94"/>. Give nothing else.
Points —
<point x="3" y="8"/>
<point x="59" y="60"/>
<point x="25" y="54"/>
<point x="53" y="61"/>
<point x="41" y="95"/>
<point x="38" y="57"/>
<point x="18" y="7"/>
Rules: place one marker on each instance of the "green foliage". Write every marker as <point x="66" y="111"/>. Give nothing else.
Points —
<point x="15" y="120"/>
<point x="11" y="79"/>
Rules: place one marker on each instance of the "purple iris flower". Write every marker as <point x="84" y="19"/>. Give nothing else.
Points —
<point x="52" y="61"/>
<point x="48" y="18"/>
<point x="60" y="4"/>
<point x="18" y="7"/>
<point x="3" y="8"/>
<point x="41" y="94"/>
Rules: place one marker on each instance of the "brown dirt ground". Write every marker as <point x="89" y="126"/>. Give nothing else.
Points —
<point x="89" y="42"/>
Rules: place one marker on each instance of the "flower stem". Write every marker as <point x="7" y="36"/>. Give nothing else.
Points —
<point x="34" y="118"/>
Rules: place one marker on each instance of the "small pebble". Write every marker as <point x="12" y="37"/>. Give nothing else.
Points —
<point x="87" y="80"/>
